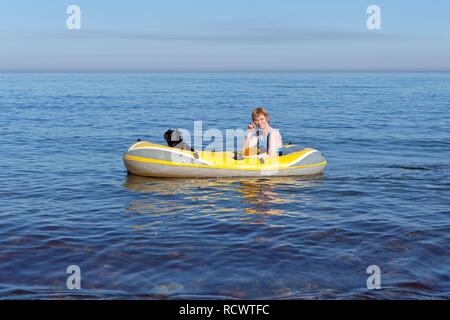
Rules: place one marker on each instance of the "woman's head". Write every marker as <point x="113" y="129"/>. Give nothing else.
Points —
<point x="260" y="117"/>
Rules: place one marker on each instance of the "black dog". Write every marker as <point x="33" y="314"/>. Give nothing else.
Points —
<point x="175" y="140"/>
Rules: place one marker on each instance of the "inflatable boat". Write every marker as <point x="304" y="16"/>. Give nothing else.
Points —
<point x="149" y="159"/>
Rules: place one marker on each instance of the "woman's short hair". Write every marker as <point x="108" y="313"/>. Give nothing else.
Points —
<point x="258" y="111"/>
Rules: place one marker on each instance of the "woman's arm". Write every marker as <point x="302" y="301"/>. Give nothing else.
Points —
<point x="250" y="141"/>
<point x="274" y="144"/>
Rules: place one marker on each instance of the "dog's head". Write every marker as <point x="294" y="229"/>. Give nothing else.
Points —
<point x="173" y="137"/>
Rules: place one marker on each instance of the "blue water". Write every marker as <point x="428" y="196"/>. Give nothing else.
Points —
<point x="66" y="198"/>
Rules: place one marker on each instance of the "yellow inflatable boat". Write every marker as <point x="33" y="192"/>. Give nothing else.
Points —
<point x="149" y="159"/>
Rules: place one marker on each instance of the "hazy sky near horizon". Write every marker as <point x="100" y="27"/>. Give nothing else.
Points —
<point x="232" y="35"/>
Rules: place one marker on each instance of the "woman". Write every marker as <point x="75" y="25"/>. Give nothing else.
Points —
<point x="261" y="135"/>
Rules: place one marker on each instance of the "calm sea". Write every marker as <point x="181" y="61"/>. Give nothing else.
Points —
<point x="66" y="198"/>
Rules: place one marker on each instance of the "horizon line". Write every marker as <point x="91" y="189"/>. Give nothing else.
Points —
<point x="236" y="71"/>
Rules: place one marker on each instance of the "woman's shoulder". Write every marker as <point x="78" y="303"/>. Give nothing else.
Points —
<point x="275" y="131"/>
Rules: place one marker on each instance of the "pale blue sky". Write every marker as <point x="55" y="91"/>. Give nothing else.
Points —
<point x="232" y="35"/>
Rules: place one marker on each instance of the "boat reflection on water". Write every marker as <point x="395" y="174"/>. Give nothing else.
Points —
<point x="274" y="196"/>
<point x="267" y="196"/>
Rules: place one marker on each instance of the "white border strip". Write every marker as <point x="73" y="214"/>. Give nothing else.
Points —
<point x="302" y="157"/>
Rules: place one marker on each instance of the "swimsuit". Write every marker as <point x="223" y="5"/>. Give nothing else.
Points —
<point x="263" y="144"/>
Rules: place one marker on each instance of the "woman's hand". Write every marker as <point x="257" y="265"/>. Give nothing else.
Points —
<point x="251" y="128"/>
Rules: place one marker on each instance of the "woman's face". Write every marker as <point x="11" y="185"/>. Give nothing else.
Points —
<point x="261" y="121"/>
